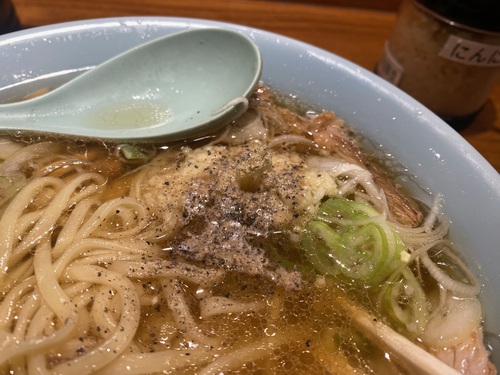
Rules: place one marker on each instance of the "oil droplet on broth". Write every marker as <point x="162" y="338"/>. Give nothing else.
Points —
<point x="135" y="115"/>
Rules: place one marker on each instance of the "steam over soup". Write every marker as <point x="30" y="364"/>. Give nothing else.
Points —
<point x="277" y="247"/>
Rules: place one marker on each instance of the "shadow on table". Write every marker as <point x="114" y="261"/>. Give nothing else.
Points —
<point x="484" y="121"/>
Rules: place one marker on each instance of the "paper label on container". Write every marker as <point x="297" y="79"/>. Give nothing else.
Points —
<point x="388" y="67"/>
<point x="470" y="53"/>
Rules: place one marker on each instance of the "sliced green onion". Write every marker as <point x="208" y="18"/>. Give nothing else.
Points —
<point x="318" y="241"/>
<point x="131" y="152"/>
<point x="342" y="240"/>
<point x="335" y="209"/>
<point x="366" y="252"/>
<point x="406" y="303"/>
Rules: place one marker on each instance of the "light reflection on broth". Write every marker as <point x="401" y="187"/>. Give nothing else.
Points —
<point x="248" y="252"/>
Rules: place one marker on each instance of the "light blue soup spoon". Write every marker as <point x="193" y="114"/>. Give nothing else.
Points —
<point x="179" y="86"/>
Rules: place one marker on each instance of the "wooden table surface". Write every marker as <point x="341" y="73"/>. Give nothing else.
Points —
<point x="356" y="32"/>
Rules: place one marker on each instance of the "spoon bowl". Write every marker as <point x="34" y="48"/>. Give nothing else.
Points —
<point x="179" y="86"/>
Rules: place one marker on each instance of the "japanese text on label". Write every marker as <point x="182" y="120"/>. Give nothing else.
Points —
<point x="470" y="53"/>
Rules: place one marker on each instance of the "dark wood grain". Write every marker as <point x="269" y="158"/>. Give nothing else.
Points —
<point x="391" y="5"/>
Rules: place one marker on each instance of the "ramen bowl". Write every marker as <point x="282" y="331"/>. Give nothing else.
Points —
<point x="435" y="159"/>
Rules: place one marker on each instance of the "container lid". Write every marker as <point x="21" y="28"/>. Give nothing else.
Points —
<point x="479" y="14"/>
